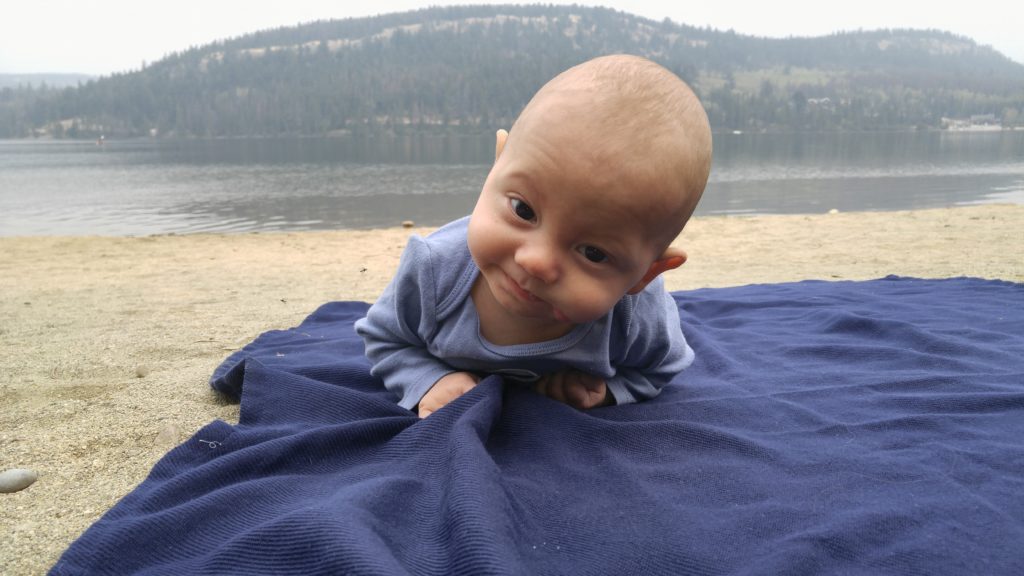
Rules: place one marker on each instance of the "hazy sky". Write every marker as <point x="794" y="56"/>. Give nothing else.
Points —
<point x="105" y="36"/>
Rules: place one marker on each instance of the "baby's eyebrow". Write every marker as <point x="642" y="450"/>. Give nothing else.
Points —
<point x="523" y="176"/>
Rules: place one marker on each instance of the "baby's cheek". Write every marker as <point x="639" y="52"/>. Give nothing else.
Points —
<point x="590" y="304"/>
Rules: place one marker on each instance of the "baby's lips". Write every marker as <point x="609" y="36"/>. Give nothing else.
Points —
<point x="522" y="292"/>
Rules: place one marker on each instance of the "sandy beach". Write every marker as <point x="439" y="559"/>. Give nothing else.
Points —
<point x="108" y="342"/>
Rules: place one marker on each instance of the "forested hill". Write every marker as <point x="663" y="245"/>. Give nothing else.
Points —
<point x="52" y="80"/>
<point x="473" y="68"/>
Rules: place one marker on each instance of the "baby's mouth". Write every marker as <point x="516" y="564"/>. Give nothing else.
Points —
<point x="528" y="296"/>
<point x="521" y="292"/>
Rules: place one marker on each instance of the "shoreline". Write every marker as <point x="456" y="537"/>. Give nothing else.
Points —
<point x="444" y="132"/>
<point x="109" y="341"/>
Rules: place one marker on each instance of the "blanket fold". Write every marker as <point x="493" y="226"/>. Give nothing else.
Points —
<point x="825" y="427"/>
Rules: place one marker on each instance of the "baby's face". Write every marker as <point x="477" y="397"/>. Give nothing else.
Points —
<point x="560" y="233"/>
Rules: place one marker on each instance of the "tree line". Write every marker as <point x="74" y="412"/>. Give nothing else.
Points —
<point x="473" y="68"/>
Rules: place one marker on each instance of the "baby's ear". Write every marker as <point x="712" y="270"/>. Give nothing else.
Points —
<point x="672" y="258"/>
<point x="499" y="143"/>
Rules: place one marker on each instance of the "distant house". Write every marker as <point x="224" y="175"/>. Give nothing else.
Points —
<point x="976" y="123"/>
<point x="821" y="103"/>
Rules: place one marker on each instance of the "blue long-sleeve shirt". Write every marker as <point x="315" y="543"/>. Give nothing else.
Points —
<point x="425" y="326"/>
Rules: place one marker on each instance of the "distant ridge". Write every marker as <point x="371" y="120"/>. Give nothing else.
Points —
<point x="472" y="68"/>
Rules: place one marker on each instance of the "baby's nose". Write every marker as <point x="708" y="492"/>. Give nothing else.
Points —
<point x="539" y="262"/>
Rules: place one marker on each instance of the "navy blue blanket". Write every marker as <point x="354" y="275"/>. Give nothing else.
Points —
<point x="849" y="427"/>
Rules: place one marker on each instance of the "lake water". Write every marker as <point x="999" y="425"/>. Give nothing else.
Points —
<point x="144" y="187"/>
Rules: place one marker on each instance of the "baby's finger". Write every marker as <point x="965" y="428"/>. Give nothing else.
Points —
<point x="590" y="393"/>
<point x="577" y="396"/>
<point x="557" y="386"/>
<point x="598" y="396"/>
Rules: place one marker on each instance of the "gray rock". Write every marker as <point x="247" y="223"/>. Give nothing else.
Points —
<point x="16" y="479"/>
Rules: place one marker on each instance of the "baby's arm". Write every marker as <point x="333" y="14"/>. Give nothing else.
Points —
<point x="399" y="324"/>
<point x="655" y="350"/>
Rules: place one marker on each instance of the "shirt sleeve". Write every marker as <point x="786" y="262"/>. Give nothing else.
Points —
<point x="398" y="326"/>
<point x="655" y="349"/>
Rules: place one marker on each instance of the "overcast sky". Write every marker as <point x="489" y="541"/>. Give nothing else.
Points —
<point x="105" y="36"/>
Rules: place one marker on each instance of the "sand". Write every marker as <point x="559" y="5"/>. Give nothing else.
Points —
<point x="108" y="342"/>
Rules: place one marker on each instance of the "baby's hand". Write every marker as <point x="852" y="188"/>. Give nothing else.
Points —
<point x="577" y="389"/>
<point x="448" y="388"/>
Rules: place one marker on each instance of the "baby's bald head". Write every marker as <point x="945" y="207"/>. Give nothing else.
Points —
<point x="640" y="122"/>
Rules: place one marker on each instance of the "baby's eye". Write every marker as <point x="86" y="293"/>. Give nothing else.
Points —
<point x="593" y="254"/>
<point x="523" y="210"/>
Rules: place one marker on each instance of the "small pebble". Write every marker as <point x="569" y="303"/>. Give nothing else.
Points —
<point x="407" y="224"/>
<point x="168" y="437"/>
<point x="141" y="371"/>
<point x="16" y="479"/>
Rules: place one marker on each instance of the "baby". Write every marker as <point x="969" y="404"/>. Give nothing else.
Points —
<point x="554" y="278"/>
